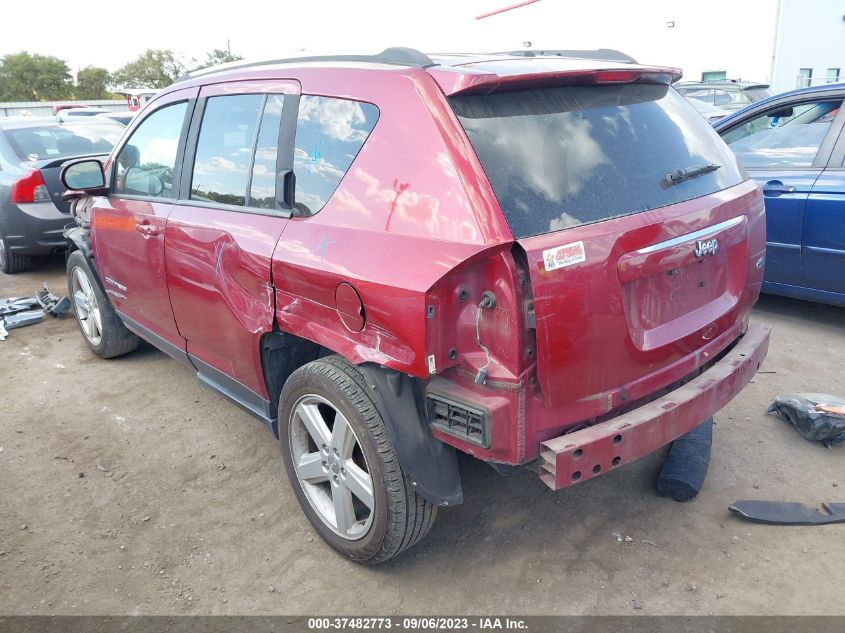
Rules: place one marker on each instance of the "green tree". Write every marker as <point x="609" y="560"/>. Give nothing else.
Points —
<point x="91" y="83"/>
<point x="153" y="69"/>
<point x="26" y="77"/>
<point x="218" y="56"/>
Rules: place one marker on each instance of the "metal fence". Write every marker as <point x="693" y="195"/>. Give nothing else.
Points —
<point x="45" y="108"/>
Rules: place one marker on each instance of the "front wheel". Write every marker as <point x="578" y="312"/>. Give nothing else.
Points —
<point x="101" y="327"/>
<point x="342" y="465"/>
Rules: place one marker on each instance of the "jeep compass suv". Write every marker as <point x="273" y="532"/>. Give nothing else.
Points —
<point x="541" y="261"/>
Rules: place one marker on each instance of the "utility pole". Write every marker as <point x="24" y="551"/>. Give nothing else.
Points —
<point x="498" y="11"/>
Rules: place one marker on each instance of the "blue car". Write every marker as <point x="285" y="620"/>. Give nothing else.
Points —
<point x="793" y="145"/>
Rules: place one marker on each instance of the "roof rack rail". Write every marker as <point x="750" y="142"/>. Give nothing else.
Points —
<point x="396" y="55"/>
<point x="600" y="54"/>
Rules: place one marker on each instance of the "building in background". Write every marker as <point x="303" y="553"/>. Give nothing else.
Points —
<point x="809" y="43"/>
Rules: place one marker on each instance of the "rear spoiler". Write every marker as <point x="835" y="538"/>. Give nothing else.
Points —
<point x="478" y="82"/>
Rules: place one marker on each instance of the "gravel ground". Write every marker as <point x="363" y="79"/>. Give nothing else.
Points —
<point x="127" y="488"/>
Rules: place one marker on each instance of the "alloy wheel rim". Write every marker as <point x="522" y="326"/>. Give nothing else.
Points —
<point x="87" y="307"/>
<point x="331" y="467"/>
<point x="2" y="252"/>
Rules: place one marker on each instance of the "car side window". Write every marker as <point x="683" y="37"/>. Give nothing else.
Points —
<point x="700" y="94"/>
<point x="721" y="97"/>
<point x="262" y="190"/>
<point x="223" y="160"/>
<point x="786" y="136"/>
<point x="145" y="164"/>
<point x="329" y="134"/>
<point x="739" y="96"/>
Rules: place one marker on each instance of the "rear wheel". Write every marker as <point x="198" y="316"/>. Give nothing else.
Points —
<point x="101" y="327"/>
<point x="11" y="262"/>
<point x="343" y="468"/>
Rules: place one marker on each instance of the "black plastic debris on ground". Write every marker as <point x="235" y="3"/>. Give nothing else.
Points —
<point x="819" y="417"/>
<point x="788" y="512"/>
<point x="17" y="312"/>
<point x="684" y="471"/>
<point x="51" y="304"/>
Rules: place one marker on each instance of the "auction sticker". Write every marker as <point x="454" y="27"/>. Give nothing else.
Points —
<point x="563" y="256"/>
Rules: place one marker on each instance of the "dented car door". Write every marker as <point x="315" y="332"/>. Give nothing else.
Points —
<point x="221" y="234"/>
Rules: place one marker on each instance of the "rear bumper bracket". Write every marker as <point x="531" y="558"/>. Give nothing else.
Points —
<point x="578" y="456"/>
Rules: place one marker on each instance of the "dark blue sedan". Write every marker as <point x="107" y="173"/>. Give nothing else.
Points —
<point x="793" y="145"/>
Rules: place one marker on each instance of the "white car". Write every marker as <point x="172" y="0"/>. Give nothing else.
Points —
<point x="708" y="110"/>
<point x="124" y="118"/>
<point x="72" y="113"/>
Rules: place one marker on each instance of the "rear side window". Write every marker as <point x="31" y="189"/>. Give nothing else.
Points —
<point x="58" y="141"/>
<point x="329" y="134"/>
<point x="561" y="157"/>
<point x="146" y="162"/>
<point x="224" y="149"/>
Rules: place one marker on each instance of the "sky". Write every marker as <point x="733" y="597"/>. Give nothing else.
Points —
<point x="110" y="36"/>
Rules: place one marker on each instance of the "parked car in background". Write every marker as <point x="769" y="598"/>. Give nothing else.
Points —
<point x="532" y="280"/>
<point x="124" y="118"/>
<point x="793" y="145"/>
<point x="77" y="113"/>
<point x="728" y="95"/>
<point x="710" y="112"/>
<point x="64" y="106"/>
<point x="32" y="151"/>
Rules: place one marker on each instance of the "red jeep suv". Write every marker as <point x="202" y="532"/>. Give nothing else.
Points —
<point x="543" y="260"/>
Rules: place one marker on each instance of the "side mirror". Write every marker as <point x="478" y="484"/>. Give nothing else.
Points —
<point x="84" y="175"/>
<point x="781" y="114"/>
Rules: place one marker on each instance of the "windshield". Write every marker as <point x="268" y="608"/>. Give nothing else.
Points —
<point x="60" y="141"/>
<point x="562" y="157"/>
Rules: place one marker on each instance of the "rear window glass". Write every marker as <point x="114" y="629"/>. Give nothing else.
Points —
<point x="561" y="157"/>
<point x="59" y="141"/>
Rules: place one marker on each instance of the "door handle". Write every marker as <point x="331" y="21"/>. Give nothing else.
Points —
<point x="146" y="229"/>
<point x="776" y="187"/>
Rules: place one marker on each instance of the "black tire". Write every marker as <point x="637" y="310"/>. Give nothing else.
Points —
<point x="400" y="517"/>
<point x="12" y="263"/>
<point x="114" y="339"/>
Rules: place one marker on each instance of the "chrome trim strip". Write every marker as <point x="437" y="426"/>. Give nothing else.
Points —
<point x="691" y="236"/>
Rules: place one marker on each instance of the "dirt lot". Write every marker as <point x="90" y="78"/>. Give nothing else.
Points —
<point x="127" y="488"/>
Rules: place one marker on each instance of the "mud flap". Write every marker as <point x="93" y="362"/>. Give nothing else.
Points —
<point x="431" y="465"/>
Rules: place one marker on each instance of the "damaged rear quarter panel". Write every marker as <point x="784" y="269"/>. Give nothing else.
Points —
<point x="399" y="221"/>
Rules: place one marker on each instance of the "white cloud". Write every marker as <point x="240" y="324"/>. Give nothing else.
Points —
<point x="217" y="164"/>
<point x="337" y="117"/>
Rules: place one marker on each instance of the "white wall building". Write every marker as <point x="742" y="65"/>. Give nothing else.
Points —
<point x="809" y="43"/>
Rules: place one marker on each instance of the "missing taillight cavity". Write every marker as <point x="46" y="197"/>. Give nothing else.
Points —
<point x="458" y="419"/>
<point x="30" y="188"/>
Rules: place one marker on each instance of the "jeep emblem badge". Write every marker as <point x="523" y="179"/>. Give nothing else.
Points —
<point x="706" y="247"/>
